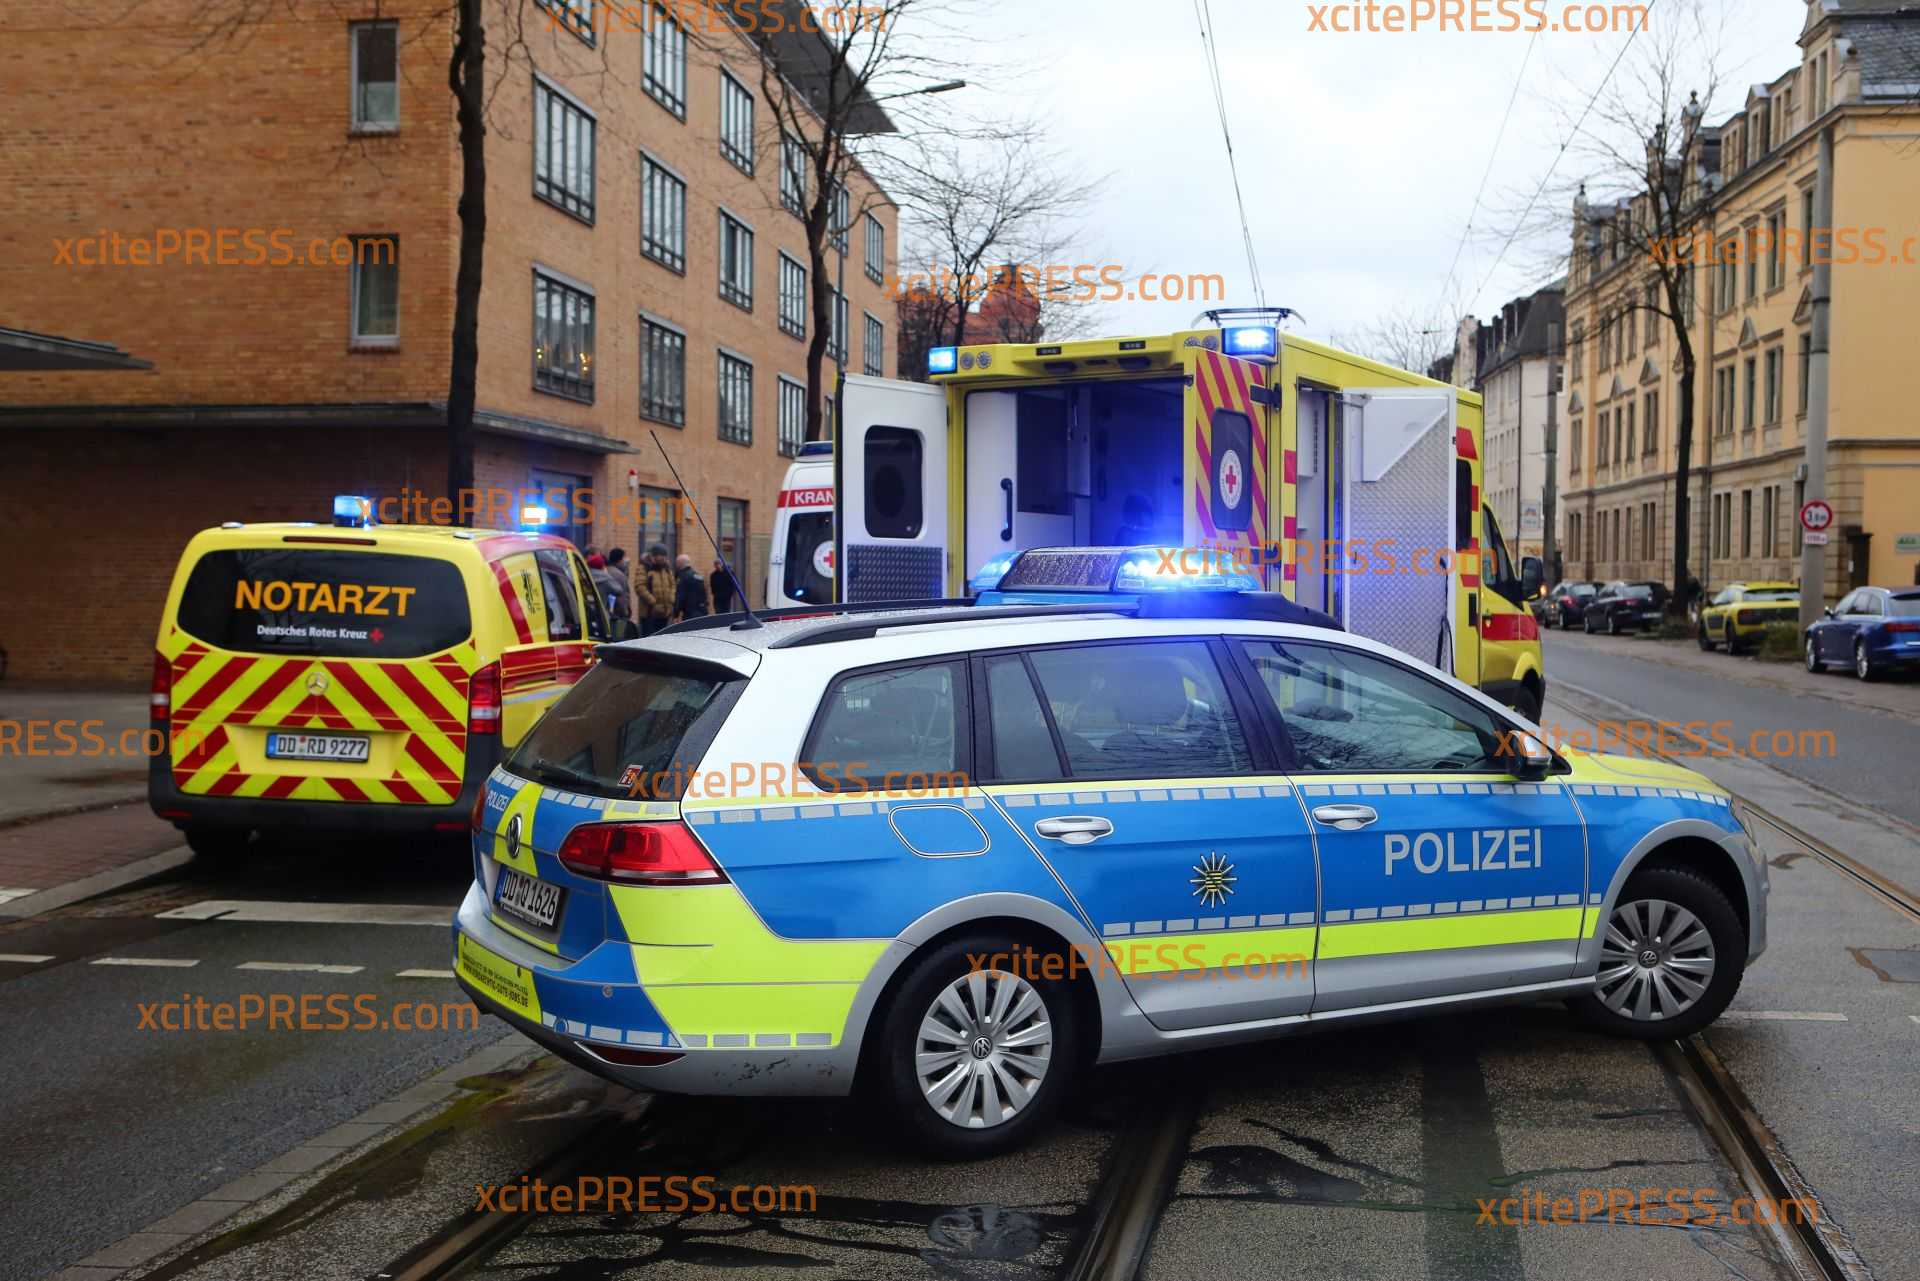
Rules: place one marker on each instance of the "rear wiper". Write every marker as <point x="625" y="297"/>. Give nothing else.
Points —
<point x="563" y="774"/>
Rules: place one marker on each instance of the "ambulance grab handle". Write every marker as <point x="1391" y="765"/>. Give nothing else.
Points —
<point x="1006" y="530"/>
<point x="1078" y="829"/>
<point x="1345" y="818"/>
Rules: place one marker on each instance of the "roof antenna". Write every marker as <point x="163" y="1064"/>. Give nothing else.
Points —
<point x="748" y="622"/>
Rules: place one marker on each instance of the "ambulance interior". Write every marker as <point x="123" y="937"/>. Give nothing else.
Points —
<point x="1094" y="463"/>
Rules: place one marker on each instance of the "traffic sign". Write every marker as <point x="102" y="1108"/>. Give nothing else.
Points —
<point x="1815" y="516"/>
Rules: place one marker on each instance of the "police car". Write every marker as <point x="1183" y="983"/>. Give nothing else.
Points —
<point x="950" y="854"/>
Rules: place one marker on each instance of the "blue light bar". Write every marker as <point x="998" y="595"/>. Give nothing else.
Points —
<point x="1250" y="340"/>
<point x="351" y="511"/>
<point x="988" y="576"/>
<point x="533" y="516"/>
<point x="1207" y="569"/>
<point x="816" y="449"/>
<point x="943" y="360"/>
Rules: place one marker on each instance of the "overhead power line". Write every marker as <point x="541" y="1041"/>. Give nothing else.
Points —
<point x="1204" y="16"/>
<point x="1486" y="173"/>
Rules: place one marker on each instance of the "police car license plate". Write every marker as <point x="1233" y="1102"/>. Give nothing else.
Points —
<point x="318" y="747"/>
<point x="529" y="899"/>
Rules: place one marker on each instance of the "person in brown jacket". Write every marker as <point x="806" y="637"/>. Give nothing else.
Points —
<point x="653" y="590"/>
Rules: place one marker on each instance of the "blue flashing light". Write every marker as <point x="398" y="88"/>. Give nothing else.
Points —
<point x="943" y="360"/>
<point x="816" y="449"/>
<point x="351" y="511"/>
<point x="988" y="576"/>
<point x="1251" y="340"/>
<point x="1208" y="569"/>
<point x="533" y="516"/>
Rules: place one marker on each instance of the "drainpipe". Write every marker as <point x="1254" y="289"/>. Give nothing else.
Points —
<point x="1813" y="558"/>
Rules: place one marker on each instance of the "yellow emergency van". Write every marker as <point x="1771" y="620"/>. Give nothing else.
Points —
<point x="1350" y="486"/>
<point x="356" y="676"/>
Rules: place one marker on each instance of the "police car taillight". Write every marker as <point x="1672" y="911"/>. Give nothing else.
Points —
<point x="639" y="854"/>
<point x="483" y="701"/>
<point x="161" y="695"/>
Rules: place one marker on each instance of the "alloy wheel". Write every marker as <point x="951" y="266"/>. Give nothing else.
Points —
<point x="1862" y="665"/>
<point x="984" y="1047"/>
<point x="1813" y="654"/>
<point x="1656" y="962"/>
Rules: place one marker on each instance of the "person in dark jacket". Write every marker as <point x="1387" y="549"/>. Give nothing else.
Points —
<point x="721" y="584"/>
<point x="690" y="593"/>
<point x="620" y="595"/>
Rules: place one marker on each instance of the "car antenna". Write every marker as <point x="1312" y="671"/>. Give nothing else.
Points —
<point x="748" y="622"/>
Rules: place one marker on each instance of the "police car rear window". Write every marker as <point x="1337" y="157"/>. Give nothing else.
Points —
<point x="633" y="726"/>
<point x="341" y="604"/>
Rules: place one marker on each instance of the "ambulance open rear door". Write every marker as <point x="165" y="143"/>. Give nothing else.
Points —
<point x="1397" y="500"/>
<point x="890" y="480"/>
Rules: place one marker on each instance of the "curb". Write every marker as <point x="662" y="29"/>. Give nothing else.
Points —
<point x="58" y="896"/>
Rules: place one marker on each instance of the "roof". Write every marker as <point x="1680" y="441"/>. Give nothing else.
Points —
<point x="24" y="351"/>
<point x="492" y="544"/>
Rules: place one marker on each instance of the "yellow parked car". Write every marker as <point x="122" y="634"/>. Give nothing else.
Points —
<point x="1741" y="612"/>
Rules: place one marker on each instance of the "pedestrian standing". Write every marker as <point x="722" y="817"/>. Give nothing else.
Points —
<point x="721" y="584"/>
<point x="655" y="590"/>
<point x="620" y="595"/>
<point x="690" y="592"/>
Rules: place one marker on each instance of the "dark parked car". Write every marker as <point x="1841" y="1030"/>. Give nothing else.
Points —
<point x="1565" y="602"/>
<point x="1875" y="630"/>
<point x="1625" y="607"/>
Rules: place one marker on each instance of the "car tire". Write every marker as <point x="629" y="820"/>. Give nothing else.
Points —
<point x="1813" y="655"/>
<point x="1629" y="996"/>
<point x="1613" y="625"/>
<point x="1527" y="703"/>
<point x="1733" y="644"/>
<point x="1706" y="641"/>
<point x="1863" y="662"/>
<point x="219" y="847"/>
<point x="1586" y="624"/>
<point x="946" y="990"/>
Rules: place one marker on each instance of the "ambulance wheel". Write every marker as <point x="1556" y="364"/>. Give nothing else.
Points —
<point x="1527" y="703"/>
<point x="218" y="847"/>
<point x="1671" y="958"/>
<point x="974" y="1060"/>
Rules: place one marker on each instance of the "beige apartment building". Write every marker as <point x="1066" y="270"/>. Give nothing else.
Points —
<point x="1750" y="182"/>
<point x="645" y="272"/>
<point x="1510" y="360"/>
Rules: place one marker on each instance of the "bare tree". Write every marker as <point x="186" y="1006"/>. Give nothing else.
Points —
<point x="1405" y="337"/>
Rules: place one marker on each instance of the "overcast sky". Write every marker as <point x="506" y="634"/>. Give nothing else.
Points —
<point x="1359" y="154"/>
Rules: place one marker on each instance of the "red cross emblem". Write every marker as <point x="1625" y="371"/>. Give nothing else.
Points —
<point x="1230" y="478"/>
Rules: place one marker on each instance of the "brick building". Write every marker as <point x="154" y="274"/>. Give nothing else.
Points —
<point x="269" y="217"/>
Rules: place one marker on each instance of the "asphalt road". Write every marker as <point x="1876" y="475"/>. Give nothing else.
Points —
<point x="110" y="1126"/>
<point x="1871" y="756"/>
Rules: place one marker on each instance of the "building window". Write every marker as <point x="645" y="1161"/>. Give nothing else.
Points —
<point x="1776" y="234"/>
<point x="1753" y="262"/>
<point x="665" y="74"/>
<point x="375" y="76"/>
<point x="660" y="520"/>
<point x="793" y="298"/>
<point x="1646" y="531"/>
<point x="663" y="373"/>
<point x="736" y="399"/>
<point x="736" y="261"/>
<point x="562" y="338"/>
<point x="374" y="285"/>
<point x="793" y="416"/>
<point x="1650" y="425"/>
<point x="1806" y="368"/>
<point x="1799" y="501"/>
<point x="1769" y="518"/>
<point x="1806" y="236"/>
<point x="1725" y="276"/>
<point x="736" y="123"/>
<point x="1603" y="437"/>
<point x="842" y="216"/>
<point x="793" y="175"/>
<point x="562" y="152"/>
<point x="1746" y="523"/>
<point x="837" y="335"/>
<point x="1775" y="358"/>
<point x="730" y="531"/>
<point x="876" y="250"/>
<point x="1574" y="464"/>
<point x="873" y="353"/>
<point x="575" y="15"/>
<point x="1653" y="315"/>
<point x="1723" y="402"/>
<point x="1579" y="361"/>
<point x="1624" y="444"/>
<point x="1749" y="385"/>
<point x="663" y="218"/>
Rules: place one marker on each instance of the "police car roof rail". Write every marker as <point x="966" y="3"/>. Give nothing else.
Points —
<point x="937" y="612"/>
<point x="713" y="622"/>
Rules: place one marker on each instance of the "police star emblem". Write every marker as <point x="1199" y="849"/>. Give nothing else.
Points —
<point x="1212" y="880"/>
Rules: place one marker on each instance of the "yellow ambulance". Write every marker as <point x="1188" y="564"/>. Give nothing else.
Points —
<point x="358" y="676"/>
<point x="1351" y="486"/>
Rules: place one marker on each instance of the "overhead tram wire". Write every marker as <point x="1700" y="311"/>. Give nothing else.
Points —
<point x="1646" y="17"/>
<point x="1203" y="14"/>
<point x="1487" y="173"/>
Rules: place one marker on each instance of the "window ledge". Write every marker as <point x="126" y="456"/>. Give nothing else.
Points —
<point x="373" y="131"/>
<point x="373" y="345"/>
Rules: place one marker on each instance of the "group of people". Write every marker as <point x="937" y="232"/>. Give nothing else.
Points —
<point x="660" y="592"/>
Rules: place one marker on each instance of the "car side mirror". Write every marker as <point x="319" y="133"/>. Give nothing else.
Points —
<point x="1827" y="610"/>
<point x="1533" y="575"/>
<point x="1532" y="759"/>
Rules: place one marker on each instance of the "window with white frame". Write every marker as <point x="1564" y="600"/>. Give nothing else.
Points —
<point x="793" y="297"/>
<point x="793" y="416"/>
<point x="376" y="76"/>
<point x="736" y="399"/>
<point x="562" y="152"/>
<point x="736" y="261"/>
<point x="664" y="73"/>
<point x="837" y="336"/>
<point x="876" y="250"/>
<point x="575" y="15"/>
<point x="842" y="216"/>
<point x="663" y="373"/>
<point x="562" y="338"/>
<point x="663" y="216"/>
<point x="374" y="283"/>
<point x="793" y="175"/>
<point x="873" y="353"/>
<point x="736" y="123"/>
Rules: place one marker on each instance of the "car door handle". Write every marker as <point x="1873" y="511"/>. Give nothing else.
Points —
<point x="1078" y="829"/>
<point x="1344" y="818"/>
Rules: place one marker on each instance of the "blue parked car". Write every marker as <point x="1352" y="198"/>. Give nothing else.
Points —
<point x="1874" y="629"/>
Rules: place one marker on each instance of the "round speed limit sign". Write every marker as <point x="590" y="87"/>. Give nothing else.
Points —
<point x="1816" y="516"/>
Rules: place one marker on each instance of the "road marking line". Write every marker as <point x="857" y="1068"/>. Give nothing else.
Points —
<point x="23" y="958"/>
<point x="424" y="974"/>
<point x="159" y="962"/>
<point x="1914" y="1017"/>
<point x="300" y="967"/>
<point x="313" y="913"/>
<point x="1786" y="1016"/>
<point x="7" y="896"/>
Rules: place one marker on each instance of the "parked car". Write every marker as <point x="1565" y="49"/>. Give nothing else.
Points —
<point x="1742" y="611"/>
<point x="1625" y="607"/>
<point x="1876" y="629"/>
<point x="1566" y="602"/>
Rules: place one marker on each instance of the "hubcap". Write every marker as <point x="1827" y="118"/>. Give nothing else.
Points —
<point x="1813" y="656"/>
<point x="1656" y="962"/>
<point x="984" y="1048"/>
<point x="1860" y="659"/>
